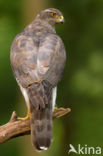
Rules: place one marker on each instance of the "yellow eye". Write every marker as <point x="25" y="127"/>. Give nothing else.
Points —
<point x="52" y="14"/>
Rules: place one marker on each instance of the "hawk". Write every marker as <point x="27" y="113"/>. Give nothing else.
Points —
<point x="37" y="59"/>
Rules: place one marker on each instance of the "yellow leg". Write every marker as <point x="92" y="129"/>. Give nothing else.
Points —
<point x="27" y="117"/>
<point x="55" y="108"/>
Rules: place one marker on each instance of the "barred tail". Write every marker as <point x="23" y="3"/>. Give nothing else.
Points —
<point x="41" y="117"/>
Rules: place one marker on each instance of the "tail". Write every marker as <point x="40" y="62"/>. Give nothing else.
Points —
<point x="41" y="115"/>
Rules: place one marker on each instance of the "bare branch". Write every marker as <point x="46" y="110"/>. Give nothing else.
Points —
<point x="15" y="127"/>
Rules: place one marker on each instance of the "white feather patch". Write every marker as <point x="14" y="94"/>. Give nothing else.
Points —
<point x="43" y="148"/>
<point x="54" y="95"/>
<point x="24" y="92"/>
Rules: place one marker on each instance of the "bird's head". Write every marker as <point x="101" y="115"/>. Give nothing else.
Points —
<point x="52" y="16"/>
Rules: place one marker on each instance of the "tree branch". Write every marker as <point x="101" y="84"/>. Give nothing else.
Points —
<point x="15" y="127"/>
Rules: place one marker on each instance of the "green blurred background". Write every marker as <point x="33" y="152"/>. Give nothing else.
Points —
<point x="81" y="88"/>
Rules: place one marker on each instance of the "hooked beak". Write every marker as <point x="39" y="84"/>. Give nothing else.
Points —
<point x="62" y="20"/>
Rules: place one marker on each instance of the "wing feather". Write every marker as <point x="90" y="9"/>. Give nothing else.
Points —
<point x="51" y="59"/>
<point x="32" y="63"/>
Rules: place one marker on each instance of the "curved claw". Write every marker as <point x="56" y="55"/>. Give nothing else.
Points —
<point x="25" y="118"/>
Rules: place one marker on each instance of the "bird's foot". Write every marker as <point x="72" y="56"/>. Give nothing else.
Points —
<point x="27" y="117"/>
<point x="55" y="108"/>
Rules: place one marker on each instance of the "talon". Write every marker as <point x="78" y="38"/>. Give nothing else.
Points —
<point x="55" y="108"/>
<point x="27" y="117"/>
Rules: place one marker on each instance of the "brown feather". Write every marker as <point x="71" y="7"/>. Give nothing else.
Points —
<point x="37" y="59"/>
<point x="41" y="115"/>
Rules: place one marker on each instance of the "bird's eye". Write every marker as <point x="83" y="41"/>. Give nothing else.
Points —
<point x="52" y="14"/>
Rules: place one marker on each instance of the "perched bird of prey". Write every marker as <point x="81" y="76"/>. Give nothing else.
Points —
<point x="37" y="59"/>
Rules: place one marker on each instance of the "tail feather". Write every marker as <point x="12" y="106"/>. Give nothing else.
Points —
<point x="41" y="119"/>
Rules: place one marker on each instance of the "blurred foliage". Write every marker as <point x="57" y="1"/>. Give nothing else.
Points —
<point x="82" y="86"/>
